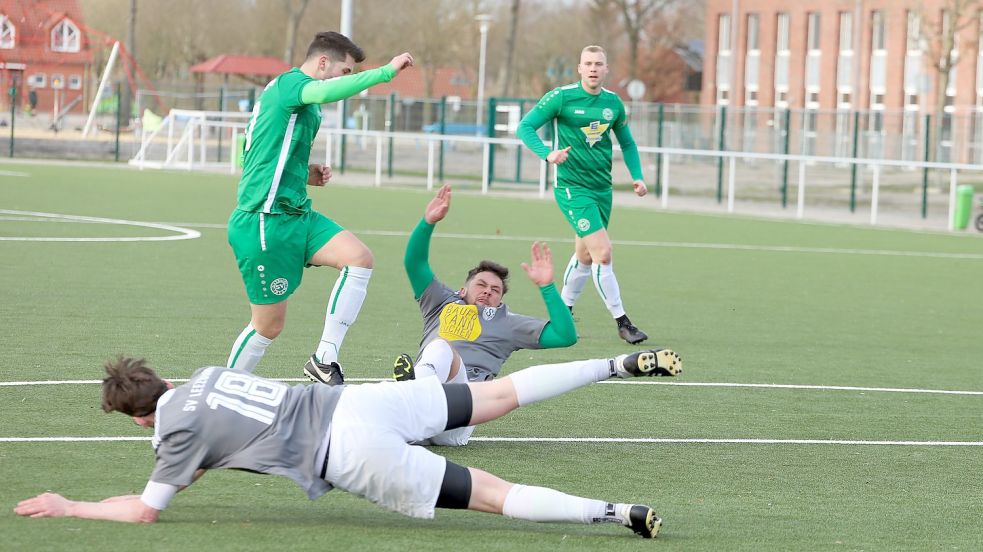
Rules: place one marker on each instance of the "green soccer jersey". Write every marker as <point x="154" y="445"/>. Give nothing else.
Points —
<point x="280" y="133"/>
<point x="584" y="122"/>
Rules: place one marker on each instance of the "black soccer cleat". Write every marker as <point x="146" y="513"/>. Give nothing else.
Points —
<point x="631" y="334"/>
<point x="654" y="362"/>
<point x="328" y="374"/>
<point x="403" y="368"/>
<point x="643" y="521"/>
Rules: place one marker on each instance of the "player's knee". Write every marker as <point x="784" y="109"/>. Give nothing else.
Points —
<point x="269" y="328"/>
<point x="361" y="258"/>
<point x="602" y="255"/>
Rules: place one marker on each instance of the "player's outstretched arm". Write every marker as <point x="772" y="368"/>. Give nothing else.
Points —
<point x="124" y="508"/>
<point x="339" y="88"/>
<point x="416" y="261"/>
<point x="560" y="331"/>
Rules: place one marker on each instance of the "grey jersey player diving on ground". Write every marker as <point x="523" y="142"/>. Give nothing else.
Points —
<point x="233" y="419"/>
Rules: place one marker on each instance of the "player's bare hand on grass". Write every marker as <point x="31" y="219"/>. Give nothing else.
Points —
<point x="43" y="505"/>
<point x="318" y="175"/>
<point x="439" y="205"/>
<point x="640" y="188"/>
<point x="540" y="271"/>
<point x="557" y="157"/>
<point x="402" y="61"/>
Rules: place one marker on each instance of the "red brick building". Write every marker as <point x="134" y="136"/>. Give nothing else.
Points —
<point x="44" y="49"/>
<point x="839" y="55"/>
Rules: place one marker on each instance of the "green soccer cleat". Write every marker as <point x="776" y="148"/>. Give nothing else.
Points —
<point x="642" y="520"/>
<point x="328" y="374"/>
<point x="654" y="362"/>
<point x="403" y="368"/>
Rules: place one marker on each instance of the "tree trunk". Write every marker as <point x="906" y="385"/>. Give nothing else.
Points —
<point x="295" y="11"/>
<point x="510" y="47"/>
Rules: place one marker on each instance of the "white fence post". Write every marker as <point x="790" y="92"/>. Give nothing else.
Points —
<point x="731" y="169"/>
<point x="800" y="207"/>
<point x="952" y="200"/>
<point x="665" y="181"/>
<point x="874" y="193"/>
<point x="430" y="164"/>
<point x="378" y="160"/>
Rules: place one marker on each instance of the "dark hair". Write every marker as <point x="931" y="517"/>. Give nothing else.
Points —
<point x="335" y="45"/>
<point x="494" y="268"/>
<point x="131" y="387"/>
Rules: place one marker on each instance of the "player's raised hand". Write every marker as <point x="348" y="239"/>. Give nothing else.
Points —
<point x="439" y="205"/>
<point x="540" y="271"/>
<point x="557" y="157"/>
<point x="402" y="61"/>
<point x="640" y="188"/>
<point x="43" y="505"/>
<point x="318" y="175"/>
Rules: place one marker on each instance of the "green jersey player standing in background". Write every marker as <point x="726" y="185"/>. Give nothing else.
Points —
<point x="584" y="115"/>
<point x="273" y="231"/>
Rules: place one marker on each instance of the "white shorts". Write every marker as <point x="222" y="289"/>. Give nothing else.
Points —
<point x="370" y="455"/>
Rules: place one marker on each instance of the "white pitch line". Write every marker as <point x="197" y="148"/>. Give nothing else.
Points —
<point x="608" y="382"/>
<point x="181" y="233"/>
<point x="728" y="441"/>
<point x="675" y="245"/>
<point x="14" y="173"/>
<point x="641" y="440"/>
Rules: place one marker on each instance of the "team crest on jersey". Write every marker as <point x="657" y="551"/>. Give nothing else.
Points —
<point x="607" y="114"/>
<point x="583" y="224"/>
<point x="594" y="132"/>
<point x="488" y="313"/>
<point x="459" y="322"/>
<point x="279" y="286"/>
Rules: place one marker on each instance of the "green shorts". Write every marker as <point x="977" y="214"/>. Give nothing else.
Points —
<point x="586" y="210"/>
<point x="273" y="249"/>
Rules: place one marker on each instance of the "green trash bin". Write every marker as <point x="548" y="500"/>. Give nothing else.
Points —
<point x="240" y="147"/>
<point x="964" y="206"/>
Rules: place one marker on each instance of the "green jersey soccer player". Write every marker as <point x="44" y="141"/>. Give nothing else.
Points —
<point x="273" y="231"/>
<point x="584" y="115"/>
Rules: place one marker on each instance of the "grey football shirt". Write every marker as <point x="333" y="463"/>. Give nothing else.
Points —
<point x="483" y="336"/>
<point x="233" y="419"/>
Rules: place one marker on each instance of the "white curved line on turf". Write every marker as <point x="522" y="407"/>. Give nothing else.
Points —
<point x="14" y="173"/>
<point x="608" y="382"/>
<point x="640" y="440"/>
<point x="180" y="233"/>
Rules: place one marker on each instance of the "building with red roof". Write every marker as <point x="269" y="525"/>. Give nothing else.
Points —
<point x="44" y="53"/>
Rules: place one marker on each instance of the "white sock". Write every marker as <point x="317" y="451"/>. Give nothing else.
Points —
<point x="574" y="278"/>
<point x="545" y="381"/>
<point x="248" y="349"/>
<point x="546" y="505"/>
<point x="607" y="286"/>
<point x="343" y="306"/>
<point x="435" y="360"/>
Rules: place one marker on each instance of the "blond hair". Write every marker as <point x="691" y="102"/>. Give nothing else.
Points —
<point x="593" y="48"/>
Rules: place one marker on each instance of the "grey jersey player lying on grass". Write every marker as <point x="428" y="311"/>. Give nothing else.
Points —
<point x="479" y="326"/>
<point x="347" y="437"/>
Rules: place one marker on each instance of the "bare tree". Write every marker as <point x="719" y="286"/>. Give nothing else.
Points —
<point x="295" y="12"/>
<point x="637" y="16"/>
<point x="943" y="47"/>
